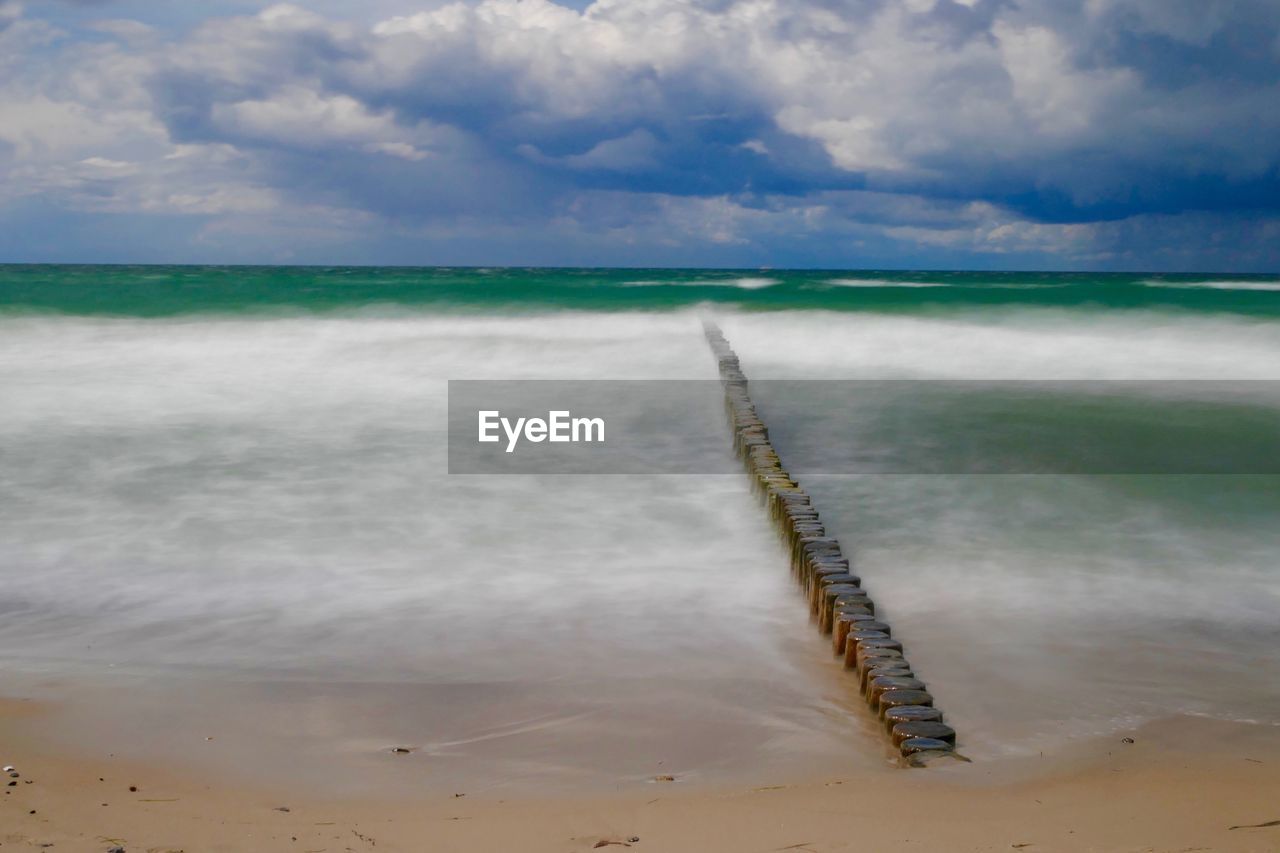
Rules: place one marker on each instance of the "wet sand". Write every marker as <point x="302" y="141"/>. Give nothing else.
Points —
<point x="333" y="738"/>
<point x="1183" y="784"/>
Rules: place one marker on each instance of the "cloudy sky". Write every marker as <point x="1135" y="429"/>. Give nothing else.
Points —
<point x="1123" y="134"/>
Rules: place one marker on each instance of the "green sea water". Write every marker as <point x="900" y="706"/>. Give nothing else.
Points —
<point x="154" y="291"/>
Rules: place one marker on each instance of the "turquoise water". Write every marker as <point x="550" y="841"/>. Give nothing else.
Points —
<point x="157" y="291"/>
<point x="238" y="474"/>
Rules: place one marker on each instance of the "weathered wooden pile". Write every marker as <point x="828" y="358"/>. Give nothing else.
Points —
<point x="840" y="606"/>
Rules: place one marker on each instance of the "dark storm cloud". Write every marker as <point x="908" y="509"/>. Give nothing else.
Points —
<point x="1036" y="122"/>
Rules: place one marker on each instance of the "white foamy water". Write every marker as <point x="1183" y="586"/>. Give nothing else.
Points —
<point x="883" y="282"/>
<point x="1041" y="608"/>
<point x="1007" y="344"/>
<point x="1221" y="284"/>
<point x="246" y="502"/>
<point x="752" y="282"/>
<point x="197" y="509"/>
<point x="272" y="494"/>
<point x="743" y="283"/>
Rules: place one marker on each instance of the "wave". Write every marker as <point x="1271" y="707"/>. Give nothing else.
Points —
<point x="748" y="283"/>
<point x="1215" y="284"/>
<point x="185" y="291"/>
<point x="891" y="283"/>
<point x="175" y="484"/>
<point x="1014" y="343"/>
<point x="881" y="282"/>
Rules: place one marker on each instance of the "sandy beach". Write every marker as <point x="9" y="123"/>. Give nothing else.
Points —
<point x="1183" y="784"/>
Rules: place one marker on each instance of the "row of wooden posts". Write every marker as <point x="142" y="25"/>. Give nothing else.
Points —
<point x="839" y="604"/>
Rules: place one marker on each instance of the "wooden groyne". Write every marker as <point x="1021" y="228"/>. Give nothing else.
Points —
<point x="839" y="604"/>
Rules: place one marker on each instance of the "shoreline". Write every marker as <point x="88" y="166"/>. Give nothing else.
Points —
<point x="1180" y="785"/>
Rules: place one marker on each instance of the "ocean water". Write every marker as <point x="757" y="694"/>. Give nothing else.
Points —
<point x="231" y="482"/>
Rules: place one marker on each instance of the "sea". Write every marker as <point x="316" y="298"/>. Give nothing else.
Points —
<point x="227" y="517"/>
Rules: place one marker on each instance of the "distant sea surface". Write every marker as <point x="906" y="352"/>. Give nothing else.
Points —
<point x="156" y="291"/>
<point x="236" y="476"/>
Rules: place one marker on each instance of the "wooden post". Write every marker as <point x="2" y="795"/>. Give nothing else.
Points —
<point x="822" y="568"/>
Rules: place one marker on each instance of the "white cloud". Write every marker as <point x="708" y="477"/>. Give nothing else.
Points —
<point x="403" y="150"/>
<point x="298" y="116"/>
<point x="956" y="115"/>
